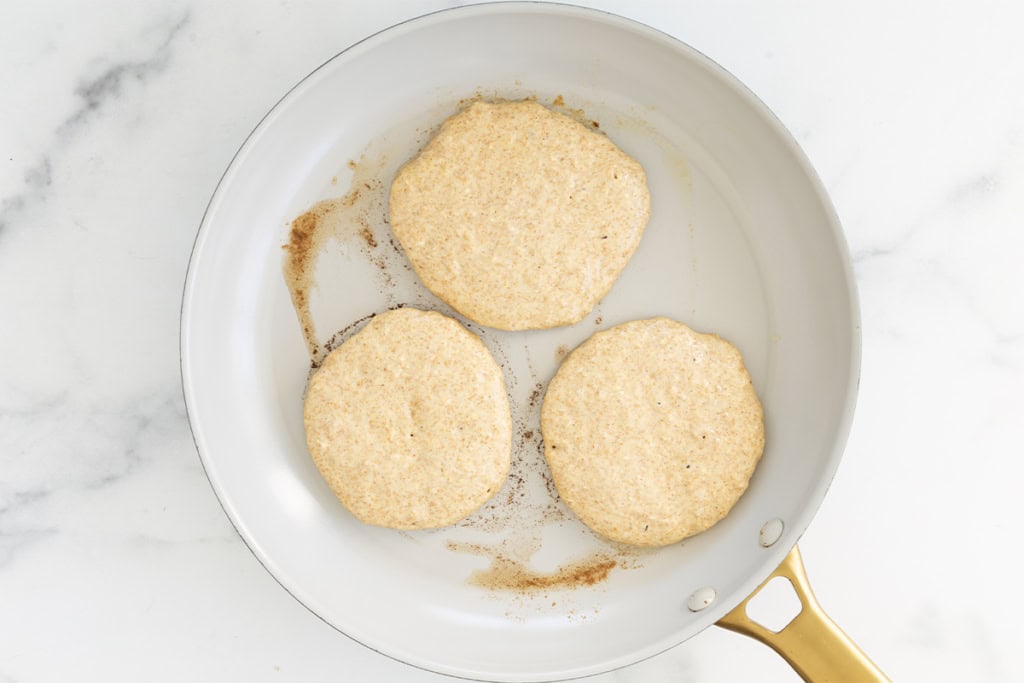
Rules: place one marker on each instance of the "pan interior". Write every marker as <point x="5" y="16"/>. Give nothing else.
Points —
<point x="742" y="242"/>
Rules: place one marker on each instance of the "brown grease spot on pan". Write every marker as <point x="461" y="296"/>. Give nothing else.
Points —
<point x="350" y="218"/>
<point x="508" y="574"/>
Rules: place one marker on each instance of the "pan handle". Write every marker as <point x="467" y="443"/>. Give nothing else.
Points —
<point x="812" y="643"/>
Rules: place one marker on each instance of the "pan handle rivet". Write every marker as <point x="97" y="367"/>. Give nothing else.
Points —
<point x="771" y="532"/>
<point x="701" y="598"/>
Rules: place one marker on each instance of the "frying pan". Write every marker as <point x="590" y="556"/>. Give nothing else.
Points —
<point x="742" y="241"/>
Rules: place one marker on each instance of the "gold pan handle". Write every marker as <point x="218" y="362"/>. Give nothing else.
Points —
<point x="812" y="643"/>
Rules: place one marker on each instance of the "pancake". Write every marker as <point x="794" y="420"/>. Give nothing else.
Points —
<point x="652" y="431"/>
<point x="519" y="217"/>
<point x="408" y="421"/>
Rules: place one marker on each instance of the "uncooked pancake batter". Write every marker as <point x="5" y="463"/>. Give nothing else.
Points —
<point x="652" y="431"/>
<point x="519" y="217"/>
<point x="408" y="421"/>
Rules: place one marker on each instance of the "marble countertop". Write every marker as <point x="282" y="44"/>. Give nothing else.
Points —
<point x="116" y="561"/>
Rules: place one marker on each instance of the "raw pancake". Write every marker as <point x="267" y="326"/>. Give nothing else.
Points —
<point x="408" y="421"/>
<point x="652" y="431"/>
<point x="519" y="217"/>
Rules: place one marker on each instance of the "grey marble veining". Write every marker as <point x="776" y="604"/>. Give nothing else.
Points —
<point x="92" y="92"/>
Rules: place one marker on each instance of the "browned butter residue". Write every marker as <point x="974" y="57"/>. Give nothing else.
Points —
<point x="579" y="114"/>
<point x="346" y="218"/>
<point x="304" y="242"/>
<point x="367" y="235"/>
<point x="507" y="574"/>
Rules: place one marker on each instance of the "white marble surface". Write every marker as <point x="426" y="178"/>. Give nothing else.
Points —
<point x="117" y="119"/>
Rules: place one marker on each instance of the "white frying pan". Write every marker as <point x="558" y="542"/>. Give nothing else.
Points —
<point x="742" y="241"/>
